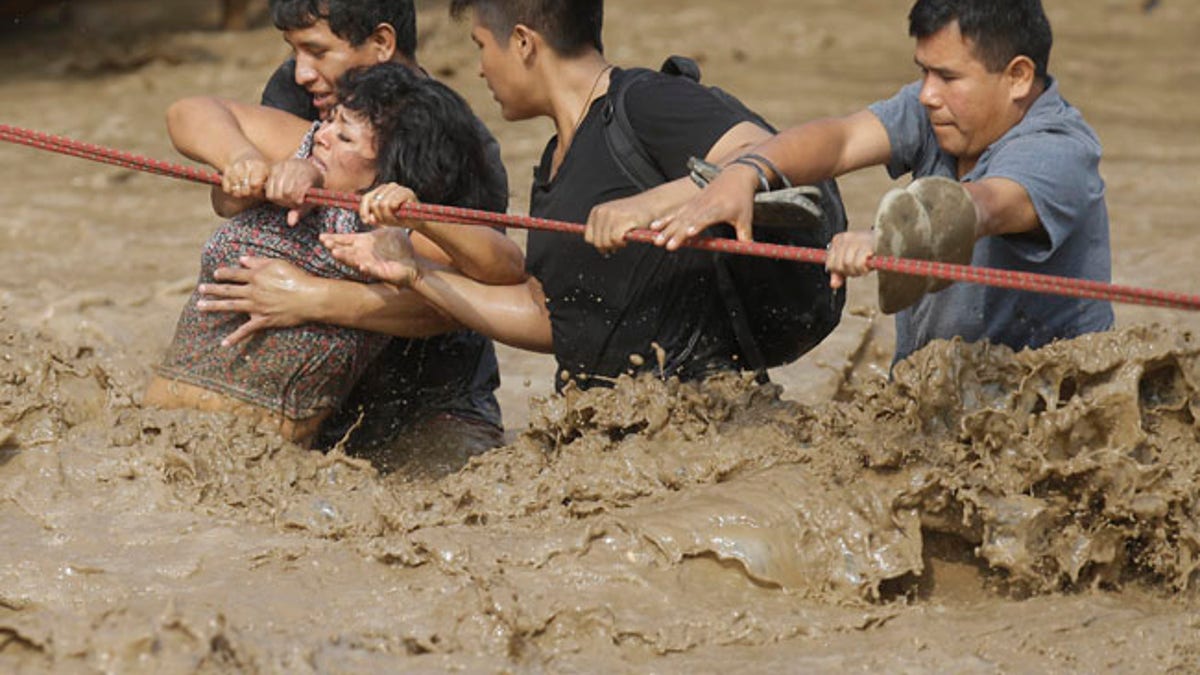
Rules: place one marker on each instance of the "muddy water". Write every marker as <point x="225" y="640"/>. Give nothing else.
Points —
<point x="986" y="511"/>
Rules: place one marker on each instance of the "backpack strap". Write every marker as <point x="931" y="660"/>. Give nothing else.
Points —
<point x="635" y="162"/>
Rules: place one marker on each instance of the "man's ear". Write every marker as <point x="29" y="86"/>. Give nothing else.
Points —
<point x="523" y="39"/>
<point x="1021" y="74"/>
<point x="382" y="42"/>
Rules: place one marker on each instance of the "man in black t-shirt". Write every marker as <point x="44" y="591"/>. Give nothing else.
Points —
<point x="601" y="308"/>
<point x="433" y="395"/>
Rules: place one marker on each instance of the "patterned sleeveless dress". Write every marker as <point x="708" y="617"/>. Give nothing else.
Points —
<point x="299" y="371"/>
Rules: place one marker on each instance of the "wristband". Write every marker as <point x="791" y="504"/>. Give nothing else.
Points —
<point x="762" y="175"/>
<point x="754" y="157"/>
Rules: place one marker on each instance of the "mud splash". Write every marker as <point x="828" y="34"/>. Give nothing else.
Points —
<point x="647" y="520"/>
<point x="1071" y="465"/>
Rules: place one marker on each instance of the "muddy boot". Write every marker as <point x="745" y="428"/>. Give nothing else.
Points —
<point x="786" y="207"/>
<point x="703" y="172"/>
<point x="789" y="207"/>
<point x="901" y="231"/>
<point x="952" y="218"/>
<point x="932" y="219"/>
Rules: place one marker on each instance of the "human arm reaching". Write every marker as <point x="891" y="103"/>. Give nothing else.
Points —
<point x="243" y="142"/>
<point x="514" y="314"/>
<point x="806" y="154"/>
<point x="277" y="294"/>
<point x="608" y="223"/>
<point x="477" y="251"/>
<point x="934" y="218"/>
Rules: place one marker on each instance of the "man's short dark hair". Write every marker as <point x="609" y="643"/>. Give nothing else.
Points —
<point x="351" y="20"/>
<point x="1001" y="29"/>
<point x="425" y="134"/>
<point x="570" y="27"/>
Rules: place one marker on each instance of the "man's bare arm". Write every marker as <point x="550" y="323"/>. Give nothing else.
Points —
<point x="807" y="154"/>
<point x="608" y="223"/>
<point x="1002" y="206"/>
<point x="219" y="131"/>
<point x="277" y="294"/>
<point x="515" y="314"/>
<point x="241" y="141"/>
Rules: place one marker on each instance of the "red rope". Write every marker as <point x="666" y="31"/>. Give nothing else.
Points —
<point x="1024" y="281"/>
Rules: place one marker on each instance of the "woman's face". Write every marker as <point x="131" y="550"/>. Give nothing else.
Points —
<point x="344" y="151"/>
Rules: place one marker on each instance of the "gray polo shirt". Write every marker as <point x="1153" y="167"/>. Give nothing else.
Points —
<point x="1055" y="156"/>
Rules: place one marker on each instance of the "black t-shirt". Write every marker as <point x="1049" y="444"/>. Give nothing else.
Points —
<point x="283" y="93"/>
<point x="455" y="372"/>
<point x="604" y="309"/>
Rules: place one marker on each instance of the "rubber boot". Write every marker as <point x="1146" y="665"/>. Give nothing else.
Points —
<point x="952" y="218"/>
<point x="932" y="219"/>
<point x="902" y="230"/>
<point x="789" y="207"/>
<point x="794" y="207"/>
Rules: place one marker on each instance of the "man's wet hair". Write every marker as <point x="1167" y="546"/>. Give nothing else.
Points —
<point x="570" y="27"/>
<point x="1001" y="29"/>
<point x="351" y="20"/>
<point x="425" y="134"/>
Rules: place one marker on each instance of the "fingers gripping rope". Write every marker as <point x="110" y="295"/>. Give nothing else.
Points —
<point x="1024" y="281"/>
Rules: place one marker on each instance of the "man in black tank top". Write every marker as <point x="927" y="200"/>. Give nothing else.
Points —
<point x="427" y="403"/>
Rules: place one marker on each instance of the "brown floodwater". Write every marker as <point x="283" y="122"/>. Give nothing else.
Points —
<point x="985" y="511"/>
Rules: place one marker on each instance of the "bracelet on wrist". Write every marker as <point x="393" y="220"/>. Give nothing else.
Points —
<point x="768" y="164"/>
<point x="764" y="183"/>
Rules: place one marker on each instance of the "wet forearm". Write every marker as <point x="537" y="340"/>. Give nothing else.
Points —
<point x="1002" y="206"/>
<point x="381" y="308"/>
<point x="739" y="140"/>
<point x="220" y="132"/>
<point x="515" y="314"/>
<point x="827" y="148"/>
<point x="479" y="252"/>
<point x="205" y="130"/>
<point x="667" y="197"/>
<point x="807" y="154"/>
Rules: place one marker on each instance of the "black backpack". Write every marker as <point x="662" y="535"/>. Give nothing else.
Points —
<point x="779" y="309"/>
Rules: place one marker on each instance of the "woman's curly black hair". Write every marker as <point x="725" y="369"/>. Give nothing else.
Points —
<point x="426" y="136"/>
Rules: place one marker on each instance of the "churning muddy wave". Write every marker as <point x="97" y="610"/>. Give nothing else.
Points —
<point x="645" y="512"/>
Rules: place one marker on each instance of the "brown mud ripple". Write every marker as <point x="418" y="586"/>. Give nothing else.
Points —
<point x="654" y="518"/>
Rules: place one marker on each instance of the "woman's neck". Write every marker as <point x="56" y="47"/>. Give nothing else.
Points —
<point x="571" y="88"/>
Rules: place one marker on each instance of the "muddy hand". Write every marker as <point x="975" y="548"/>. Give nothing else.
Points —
<point x="931" y="219"/>
<point x="385" y="253"/>
<point x="729" y="198"/>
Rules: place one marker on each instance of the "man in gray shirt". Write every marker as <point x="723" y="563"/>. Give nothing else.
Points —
<point x="987" y="114"/>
